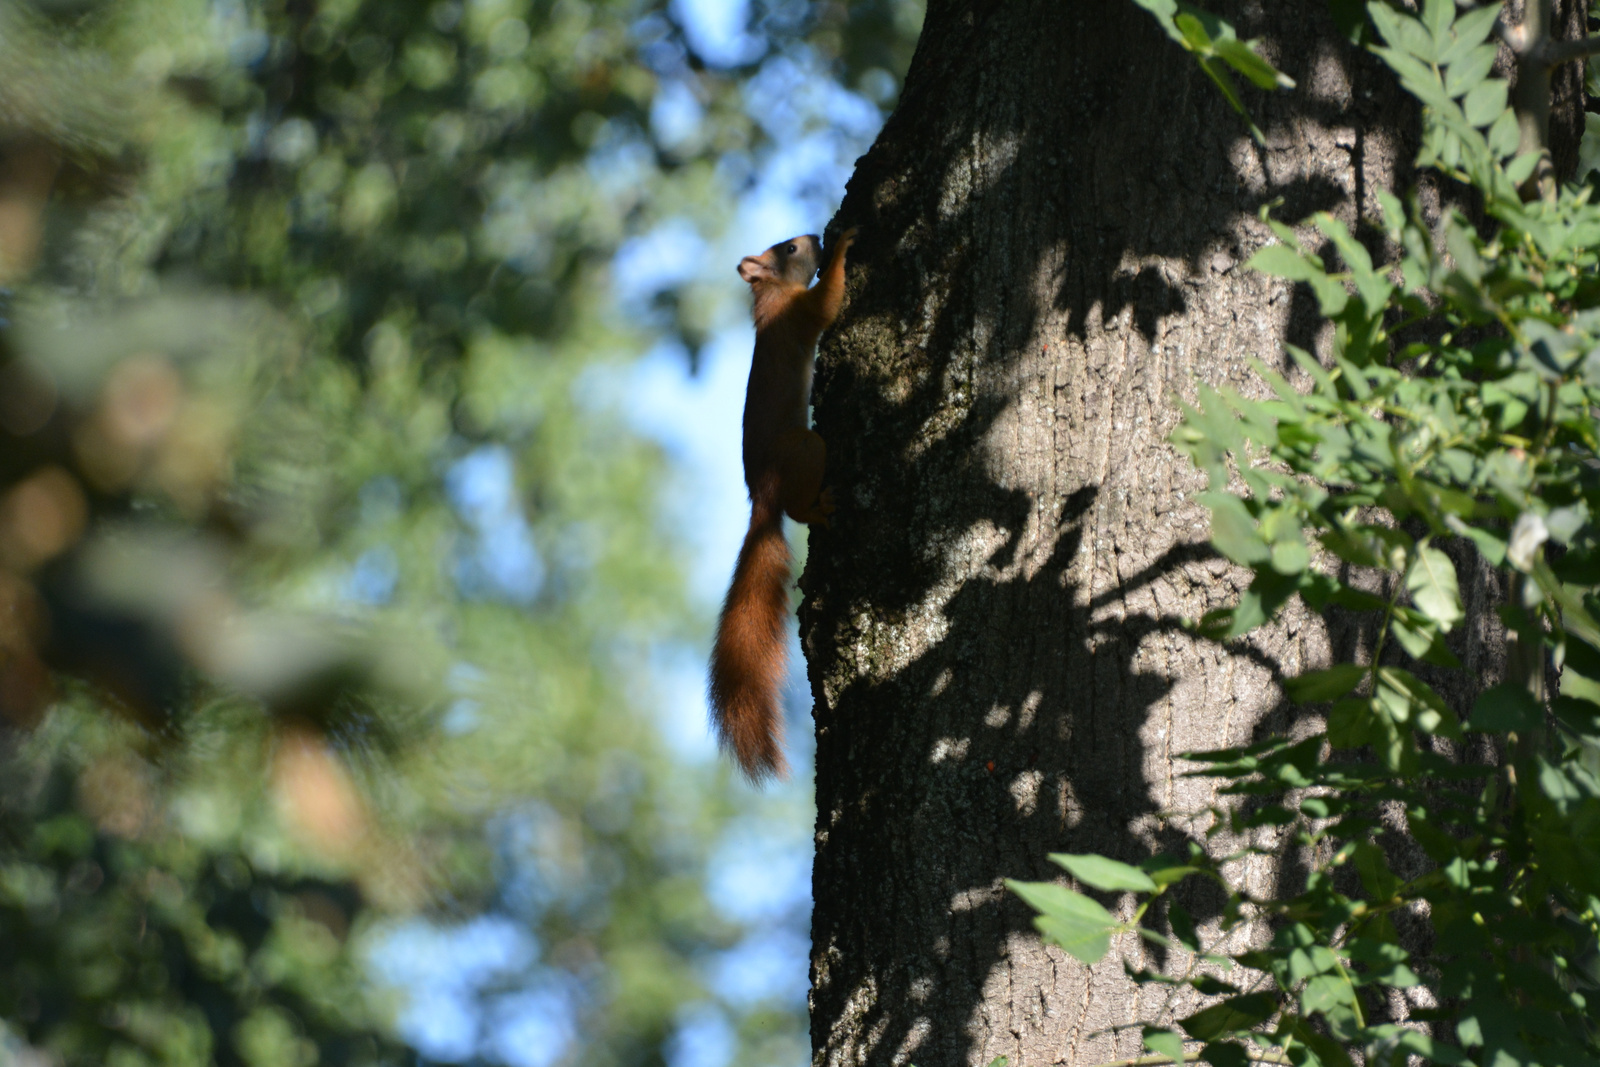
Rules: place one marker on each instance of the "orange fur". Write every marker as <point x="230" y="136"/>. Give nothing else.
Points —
<point x="783" y="467"/>
<point x="747" y="661"/>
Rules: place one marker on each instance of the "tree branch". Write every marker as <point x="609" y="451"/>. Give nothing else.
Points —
<point x="1190" y="1057"/>
<point x="1555" y="53"/>
<point x="1530" y="96"/>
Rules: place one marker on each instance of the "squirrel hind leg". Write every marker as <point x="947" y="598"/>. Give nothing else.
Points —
<point x="819" y="512"/>
<point x="802" y="458"/>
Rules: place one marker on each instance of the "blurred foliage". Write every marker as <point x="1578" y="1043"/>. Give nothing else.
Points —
<point x="122" y="942"/>
<point x="325" y="589"/>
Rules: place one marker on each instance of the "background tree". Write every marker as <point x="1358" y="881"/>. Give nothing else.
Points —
<point x="1052" y="225"/>
<point x="327" y="589"/>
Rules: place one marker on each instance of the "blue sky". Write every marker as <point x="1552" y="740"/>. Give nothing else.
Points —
<point x="759" y="875"/>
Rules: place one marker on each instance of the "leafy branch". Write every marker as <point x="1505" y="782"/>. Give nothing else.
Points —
<point x="1218" y="49"/>
<point x="1454" y="412"/>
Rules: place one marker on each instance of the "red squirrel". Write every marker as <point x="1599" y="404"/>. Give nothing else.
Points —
<point x="783" y="463"/>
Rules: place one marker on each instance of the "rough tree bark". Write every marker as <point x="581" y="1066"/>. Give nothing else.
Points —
<point x="1053" y="230"/>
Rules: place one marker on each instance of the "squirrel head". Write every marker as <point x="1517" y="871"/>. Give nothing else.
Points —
<point x="791" y="262"/>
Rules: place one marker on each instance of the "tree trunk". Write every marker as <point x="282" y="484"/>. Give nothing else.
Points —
<point x="1054" y="225"/>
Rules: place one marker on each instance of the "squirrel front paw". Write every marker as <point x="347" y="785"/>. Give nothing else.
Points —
<point x="822" y="510"/>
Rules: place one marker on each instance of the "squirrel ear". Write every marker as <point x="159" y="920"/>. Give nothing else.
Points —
<point x="753" y="269"/>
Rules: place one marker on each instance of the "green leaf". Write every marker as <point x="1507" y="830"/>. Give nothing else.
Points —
<point x="1580" y="656"/>
<point x="1350" y="723"/>
<point x="1327" y="684"/>
<point x="1165" y="870"/>
<point x="1329" y="1053"/>
<point x="1154" y="938"/>
<point x="1504" y="136"/>
<point x="1589" y="146"/>
<point x="1386" y="962"/>
<point x="1233" y="1014"/>
<point x="1308" y="363"/>
<point x="1266" y="594"/>
<point x="1326" y="992"/>
<point x="1504" y="708"/>
<point x="1373" y="286"/>
<point x="1564" y="524"/>
<point x="1265" y="815"/>
<point x="1418" y="77"/>
<point x="1145" y="976"/>
<point x="1332" y="297"/>
<point x="1163" y="1042"/>
<point x="1373" y="867"/>
<point x="1217" y="71"/>
<point x="1431" y="1049"/>
<point x="1410" y="699"/>
<point x="1353" y="546"/>
<point x="1195" y="37"/>
<point x="1467" y="72"/>
<point x="1386" y="19"/>
<point x="1350" y="19"/>
<point x="1212" y="987"/>
<point x="1403" y="31"/>
<point x="1216" y="420"/>
<point x="1485" y="102"/>
<point x="1225" y="1054"/>
<point x="1243" y="58"/>
<point x="1394" y="213"/>
<point x="1076" y="923"/>
<point x="1581" y="717"/>
<point x="1575" y="614"/>
<point x="1521" y="168"/>
<point x="1432" y="584"/>
<point x="1183" y="926"/>
<point x="1164" y="11"/>
<point x="1490" y="544"/>
<point x="1472" y="29"/>
<point x="1415" y="634"/>
<point x="1281" y="261"/>
<point x="1421" y="639"/>
<point x="1233" y="529"/>
<point x="1301" y="966"/>
<point x="1318" y="590"/>
<point x="1290" y="557"/>
<point x="1437" y="15"/>
<point x="1103" y="873"/>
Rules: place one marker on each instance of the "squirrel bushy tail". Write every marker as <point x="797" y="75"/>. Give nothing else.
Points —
<point x="784" y="462"/>
<point x="747" y="661"/>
